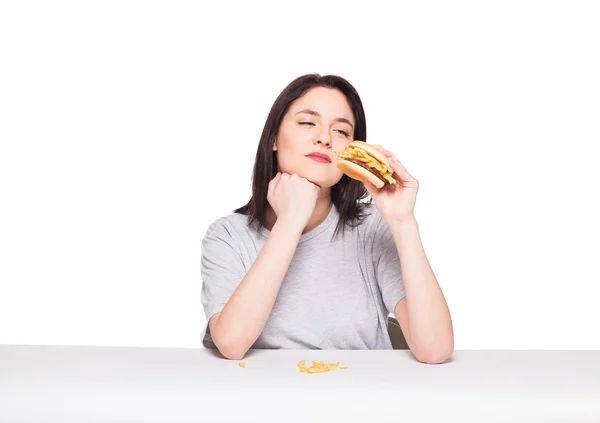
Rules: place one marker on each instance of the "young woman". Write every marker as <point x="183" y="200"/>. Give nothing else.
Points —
<point x="310" y="262"/>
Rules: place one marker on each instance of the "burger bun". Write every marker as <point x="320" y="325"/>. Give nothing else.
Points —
<point x="359" y="173"/>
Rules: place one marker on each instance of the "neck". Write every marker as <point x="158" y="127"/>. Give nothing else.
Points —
<point x="322" y="209"/>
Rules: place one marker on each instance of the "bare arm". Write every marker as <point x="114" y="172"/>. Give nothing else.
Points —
<point x="423" y="314"/>
<point x="241" y="321"/>
<point x="244" y="316"/>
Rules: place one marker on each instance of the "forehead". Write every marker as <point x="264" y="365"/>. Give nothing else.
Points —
<point x="328" y="102"/>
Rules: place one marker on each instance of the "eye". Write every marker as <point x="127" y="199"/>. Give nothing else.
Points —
<point x="344" y="133"/>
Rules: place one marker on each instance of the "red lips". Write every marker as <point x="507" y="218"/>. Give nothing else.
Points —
<point x="319" y="157"/>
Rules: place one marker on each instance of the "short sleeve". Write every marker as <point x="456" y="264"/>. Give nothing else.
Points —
<point x="221" y="269"/>
<point x="387" y="266"/>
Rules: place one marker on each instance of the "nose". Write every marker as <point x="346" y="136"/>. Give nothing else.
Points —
<point x="323" y="138"/>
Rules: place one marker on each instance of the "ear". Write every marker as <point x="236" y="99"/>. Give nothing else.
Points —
<point x="275" y="145"/>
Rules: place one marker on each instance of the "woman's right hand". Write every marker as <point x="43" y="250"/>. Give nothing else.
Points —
<point x="293" y="198"/>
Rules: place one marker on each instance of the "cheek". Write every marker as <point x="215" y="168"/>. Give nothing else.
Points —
<point x="340" y="144"/>
<point x="336" y="173"/>
<point x="286" y="157"/>
<point x="289" y="150"/>
<point x="284" y="164"/>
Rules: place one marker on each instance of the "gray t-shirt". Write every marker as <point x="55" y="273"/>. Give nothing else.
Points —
<point x="336" y="294"/>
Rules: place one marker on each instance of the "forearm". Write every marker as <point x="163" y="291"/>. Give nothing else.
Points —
<point x="244" y="316"/>
<point x="429" y="321"/>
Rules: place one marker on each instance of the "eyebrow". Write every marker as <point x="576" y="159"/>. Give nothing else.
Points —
<point x="312" y="112"/>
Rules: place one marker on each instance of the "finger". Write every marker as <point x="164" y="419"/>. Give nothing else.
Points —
<point x="390" y="156"/>
<point x="400" y="169"/>
<point x="371" y="189"/>
<point x="273" y="184"/>
<point x="379" y="147"/>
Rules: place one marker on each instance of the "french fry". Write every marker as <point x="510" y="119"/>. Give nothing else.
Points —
<point x="319" y="367"/>
<point x="316" y="370"/>
<point x="242" y="364"/>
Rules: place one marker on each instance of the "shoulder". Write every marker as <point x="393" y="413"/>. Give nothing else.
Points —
<point x="234" y="229"/>
<point x="372" y="220"/>
<point x="230" y="226"/>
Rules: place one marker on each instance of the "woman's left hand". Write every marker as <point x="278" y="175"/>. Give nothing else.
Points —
<point x="395" y="202"/>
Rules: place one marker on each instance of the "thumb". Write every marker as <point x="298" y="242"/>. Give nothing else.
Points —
<point x="372" y="189"/>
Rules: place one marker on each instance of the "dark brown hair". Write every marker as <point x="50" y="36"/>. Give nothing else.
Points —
<point x="346" y="193"/>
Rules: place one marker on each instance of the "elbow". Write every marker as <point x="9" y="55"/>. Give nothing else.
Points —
<point x="233" y="352"/>
<point x="232" y="349"/>
<point x="435" y="355"/>
<point x="230" y="343"/>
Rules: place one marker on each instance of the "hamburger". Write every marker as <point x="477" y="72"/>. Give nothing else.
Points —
<point x="363" y="161"/>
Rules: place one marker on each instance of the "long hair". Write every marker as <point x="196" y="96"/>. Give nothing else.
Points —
<point x="347" y="194"/>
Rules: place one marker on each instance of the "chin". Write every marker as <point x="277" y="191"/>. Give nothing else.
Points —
<point x="321" y="179"/>
<point x="324" y="183"/>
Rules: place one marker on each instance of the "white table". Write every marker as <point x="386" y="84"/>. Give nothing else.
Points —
<point x="115" y="384"/>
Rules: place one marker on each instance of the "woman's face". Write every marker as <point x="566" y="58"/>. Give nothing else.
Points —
<point x="316" y="124"/>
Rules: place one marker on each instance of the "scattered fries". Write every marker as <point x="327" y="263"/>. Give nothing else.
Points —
<point x="242" y="364"/>
<point x="319" y="367"/>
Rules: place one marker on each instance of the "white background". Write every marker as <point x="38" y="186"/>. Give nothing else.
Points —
<point x="126" y="128"/>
